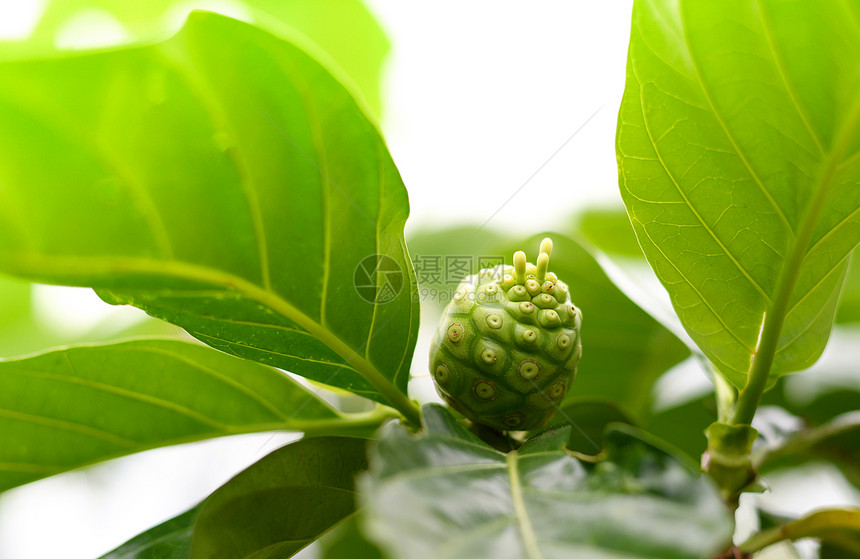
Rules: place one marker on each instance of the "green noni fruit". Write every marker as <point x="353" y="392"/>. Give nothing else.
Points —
<point x="507" y="348"/>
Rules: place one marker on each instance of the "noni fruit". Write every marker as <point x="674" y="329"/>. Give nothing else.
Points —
<point x="507" y="348"/>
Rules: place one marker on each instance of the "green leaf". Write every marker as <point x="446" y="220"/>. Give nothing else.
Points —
<point x="225" y="182"/>
<point x="624" y="349"/>
<point x="739" y="165"/>
<point x="849" y="304"/>
<point x="347" y="541"/>
<point x="344" y="29"/>
<point x="837" y="441"/>
<point x="73" y="407"/>
<point x="169" y="540"/>
<point x="283" y="502"/>
<point x="444" y="494"/>
<point x="609" y="230"/>
<point x="839" y="527"/>
<point x="588" y="419"/>
<point x="684" y="425"/>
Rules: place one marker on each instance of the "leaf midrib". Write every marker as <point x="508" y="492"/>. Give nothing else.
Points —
<point x="81" y="266"/>
<point x="762" y="358"/>
<point x="530" y="542"/>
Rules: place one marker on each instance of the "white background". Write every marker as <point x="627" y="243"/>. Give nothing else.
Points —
<point x="482" y="100"/>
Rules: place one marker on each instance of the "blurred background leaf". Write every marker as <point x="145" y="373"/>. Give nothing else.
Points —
<point x="344" y="30"/>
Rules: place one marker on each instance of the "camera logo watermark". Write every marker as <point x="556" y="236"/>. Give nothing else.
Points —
<point x="378" y="279"/>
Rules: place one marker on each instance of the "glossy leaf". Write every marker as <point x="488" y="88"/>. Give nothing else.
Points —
<point x="344" y="29"/>
<point x="739" y="165"/>
<point x="221" y="180"/>
<point x="169" y="540"/>
<point x="69" y="408"/>
<point x="283" y="502"/>
<point x="446" y="494"/>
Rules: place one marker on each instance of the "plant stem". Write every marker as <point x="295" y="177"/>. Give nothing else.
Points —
<point x="762" y="360"/>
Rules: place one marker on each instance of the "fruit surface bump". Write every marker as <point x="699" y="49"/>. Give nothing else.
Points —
<point x="506" y="350"/>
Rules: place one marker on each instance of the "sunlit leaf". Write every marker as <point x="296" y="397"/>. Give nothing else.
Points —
<point x="69" y="408"/>
<point x="849" y="305"/>
<point x="738" y="147"/>
<point x="446" y="494"/>
<point x="344" y="29"/>
<point x="221" y="180"/>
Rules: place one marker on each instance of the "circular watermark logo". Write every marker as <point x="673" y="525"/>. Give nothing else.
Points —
<point x="378" y="279"/>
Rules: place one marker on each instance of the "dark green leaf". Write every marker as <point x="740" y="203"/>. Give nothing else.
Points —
<point x="69" y="408"/>
<point x="838" y="527"/>
<point x="738" y="156"/>
<point x="445" y="495"/>
<point x="347" y="541"/>
<point x="588" y="420"/>
<point x="345" y="29"/>
<point x="169" y="540"/>
<point x="684" y="425"/>
<point x="221" y="180"/>
<point x="283" y="502"/>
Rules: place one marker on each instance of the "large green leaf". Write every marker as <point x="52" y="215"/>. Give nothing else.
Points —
<point x="344" y="29"/>
<point x="221" y="180"/>
<point x="624" y="350"/>
<point x="446" y="494"/>
<point x="737" y="144"/>
<point x="73" y="407"/>
<point x="283" y="502"/>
